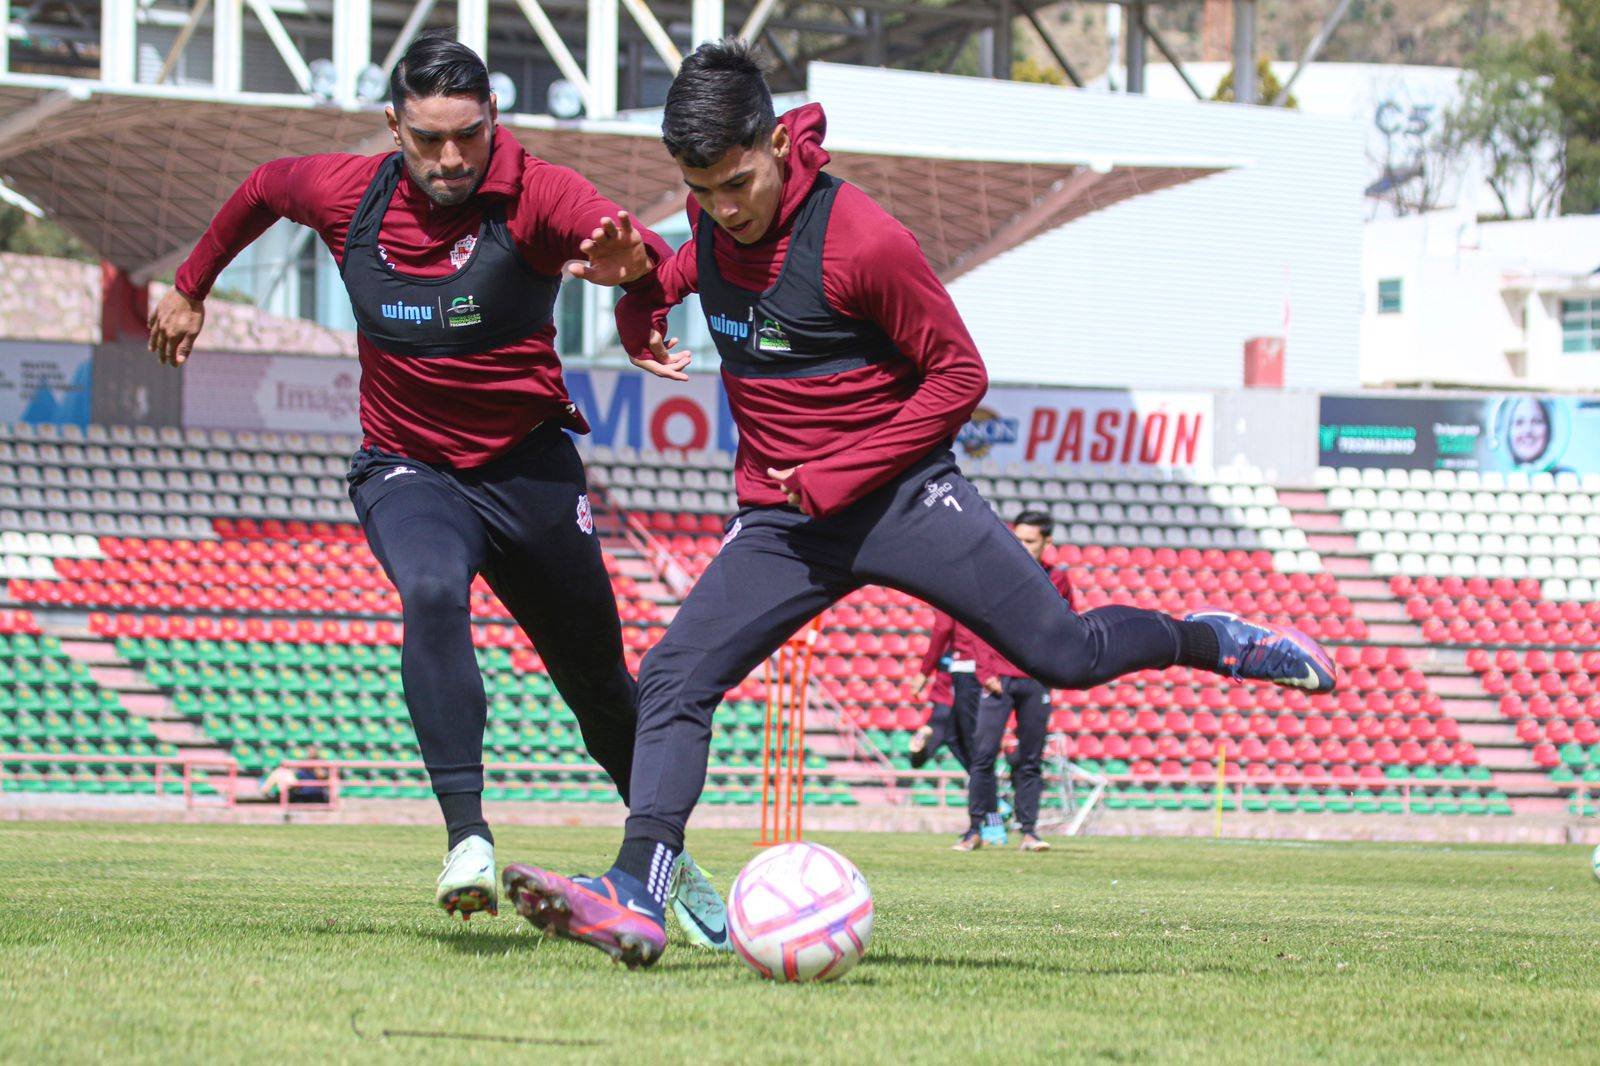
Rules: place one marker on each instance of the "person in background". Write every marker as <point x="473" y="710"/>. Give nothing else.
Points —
<point x="1008" y="690"/>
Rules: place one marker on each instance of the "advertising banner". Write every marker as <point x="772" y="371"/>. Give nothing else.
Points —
<point x="629" y="408"/>
<point x="42" y="382"/>
<point x="282" y="393"/>
<point x="1504" y="433"/>
<point x="1081" y="428"/>
<point x="1089" y="428"/>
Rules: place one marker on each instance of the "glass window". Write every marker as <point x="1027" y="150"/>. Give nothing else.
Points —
<point x="1389" y="296"/>
<point x="1580" y="326"/>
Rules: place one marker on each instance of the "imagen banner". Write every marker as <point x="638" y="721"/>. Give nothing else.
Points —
<point x="1527" y="432"/>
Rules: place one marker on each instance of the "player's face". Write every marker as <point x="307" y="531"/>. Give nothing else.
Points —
<point x="1530" y="431"/>
<point x="740" y="192"/>
<point x="445" y="141"/>
<point x="1031" y="537"/>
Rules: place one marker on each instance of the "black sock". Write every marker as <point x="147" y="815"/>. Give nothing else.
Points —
<point x="650" y="863"/>
<point x="1197" y="646"/>
<point x="463" y="816"/>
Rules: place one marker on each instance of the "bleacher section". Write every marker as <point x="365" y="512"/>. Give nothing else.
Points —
<point x="51" y="706"/>
<point x="1495" y="577"/>
<point x="221" y="584"/>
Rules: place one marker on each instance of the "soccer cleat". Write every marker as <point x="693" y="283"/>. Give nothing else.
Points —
<point x="613" y="913"/>
<point x="1033" y="843"/>
<point x="466" y="884"/>
<point x="698" y="906"/>
<point x="993" y="836"/>
<point x="970" y="841"/>
<point x="1253" y="651"/>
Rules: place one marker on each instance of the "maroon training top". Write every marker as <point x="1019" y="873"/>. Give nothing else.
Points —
<point x="457" y="410"/>
<point x="855" y="430"/>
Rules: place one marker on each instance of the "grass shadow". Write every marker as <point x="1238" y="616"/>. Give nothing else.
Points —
<point x="1039" y="966"/>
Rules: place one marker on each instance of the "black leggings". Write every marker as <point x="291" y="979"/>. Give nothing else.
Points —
<point x="523" y="522"/>
<point x="928" y="533"/>
<point x="954" y="724"/>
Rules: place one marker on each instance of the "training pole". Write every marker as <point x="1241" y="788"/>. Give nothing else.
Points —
<point x="1222" y="784"/>
<point x="783" y="748"/>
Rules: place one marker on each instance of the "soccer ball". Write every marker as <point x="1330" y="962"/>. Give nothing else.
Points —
<point x="800" y="912"/>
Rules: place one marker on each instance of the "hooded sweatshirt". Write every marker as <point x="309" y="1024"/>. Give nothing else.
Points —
<point x="852" y="431"/>
<point x="460" y="411"/>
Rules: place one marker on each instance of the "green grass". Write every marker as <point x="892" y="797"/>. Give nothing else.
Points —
<point x="307" y="944"/>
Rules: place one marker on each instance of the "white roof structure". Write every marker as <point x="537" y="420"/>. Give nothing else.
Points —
<point x="137" y="171"/>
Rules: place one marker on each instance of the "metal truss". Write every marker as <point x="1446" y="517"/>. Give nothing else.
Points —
<point x="611" y="55"/>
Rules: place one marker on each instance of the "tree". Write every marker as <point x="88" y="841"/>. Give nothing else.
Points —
<point x="1027" y="69"/>
<point x="1575" y="90"/>
<point x="1507" y="115"/>
<point x="1267" y="86"/>
<point x="22" y="233"/>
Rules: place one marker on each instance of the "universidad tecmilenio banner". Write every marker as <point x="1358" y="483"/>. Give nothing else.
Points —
<point x="1506" y="432"/>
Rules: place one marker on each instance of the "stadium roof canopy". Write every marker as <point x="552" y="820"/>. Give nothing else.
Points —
<point x="137" y="172"/>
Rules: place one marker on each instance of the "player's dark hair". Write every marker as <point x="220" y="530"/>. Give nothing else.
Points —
<point x="1038" y="519"/>
<point x="718" y="101"/>
<point x="436" y="64"/>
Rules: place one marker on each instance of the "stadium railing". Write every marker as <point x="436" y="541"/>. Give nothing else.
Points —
<point x="198" y="776"/>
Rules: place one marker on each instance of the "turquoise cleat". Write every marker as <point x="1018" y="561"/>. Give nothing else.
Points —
<point x="701" y="914"/>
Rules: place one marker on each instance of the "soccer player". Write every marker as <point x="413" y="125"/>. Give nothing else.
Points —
<point x="1008" y="689"/>
<point x="950" y="667"/>
<point x="847" y="371"/>
<point x="452" y="249"/>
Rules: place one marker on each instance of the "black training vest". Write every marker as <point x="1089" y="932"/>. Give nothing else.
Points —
<point x="789" y="331"/>
<point x="494" y="300"/>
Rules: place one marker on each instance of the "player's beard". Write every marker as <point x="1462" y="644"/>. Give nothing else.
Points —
<point x="442" y="197"/>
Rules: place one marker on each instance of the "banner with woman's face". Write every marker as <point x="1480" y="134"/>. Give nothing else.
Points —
<point x="1505" y="433"/>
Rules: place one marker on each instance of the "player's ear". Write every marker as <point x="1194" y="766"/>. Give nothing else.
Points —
<point x="780" y="140"/>
<point x="394" y="123"/>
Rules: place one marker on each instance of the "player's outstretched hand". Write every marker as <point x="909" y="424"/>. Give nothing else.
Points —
<point x="661" y="360"/>
<point x="174" y="326"/>
<point x="615" y="253"/>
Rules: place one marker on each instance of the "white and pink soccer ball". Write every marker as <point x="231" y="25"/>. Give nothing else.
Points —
<point x="800" y="912"/>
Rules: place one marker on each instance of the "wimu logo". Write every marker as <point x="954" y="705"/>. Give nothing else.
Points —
<point x="405" y="312"/>
<point x="729" y="327"/>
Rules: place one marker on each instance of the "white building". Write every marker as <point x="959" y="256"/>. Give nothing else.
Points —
<point x="1450" y="301"/>
<point x="1400" y="110"/>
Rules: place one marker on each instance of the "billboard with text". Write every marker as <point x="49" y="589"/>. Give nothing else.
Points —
<point x="1525" y="432"/>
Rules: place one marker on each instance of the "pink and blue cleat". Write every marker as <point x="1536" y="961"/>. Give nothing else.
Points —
<point x="613" y="913"/>
<point x="1255" y="651"/>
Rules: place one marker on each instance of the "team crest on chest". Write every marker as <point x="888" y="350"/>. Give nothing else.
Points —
<point x="585" y="516"/>
<point x="462" y="251"/>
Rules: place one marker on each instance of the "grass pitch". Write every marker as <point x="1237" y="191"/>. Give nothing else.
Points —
<point x="319" y="944"/>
